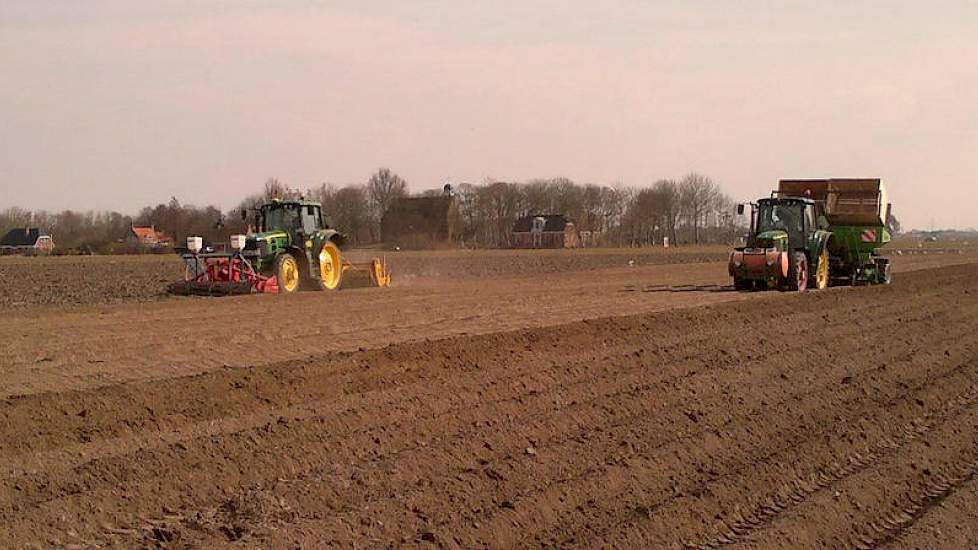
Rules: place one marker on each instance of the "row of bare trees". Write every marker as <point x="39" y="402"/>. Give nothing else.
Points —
<point x="693" y="209"/>
<point x="488" y="211"/>
<point x="80" y="230"/>
<point x="105" y="232"/>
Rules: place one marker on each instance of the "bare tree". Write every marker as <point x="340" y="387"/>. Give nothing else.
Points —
<point x="616" y="201"/>
<point x="653" y="213"/>
<point x="723" y="215"/>
<point x="349" y="211"/>
<point x="696" y="195"/>
<point x="641" y="217"/>
<point x="568" y="198"/>
<point x="537" y="197"/>
<point x="465" y="202"/>
<point x="323" y="194"/>
<point x="667" y="206"/>
<point x="384" y="187"/>
<point x="14" y="217"/>
<point x="498" y="205"/>
<point x="275" y="189"/>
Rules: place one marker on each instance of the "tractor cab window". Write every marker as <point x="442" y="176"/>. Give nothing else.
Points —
<point x="310" y="219"/>
<point x="820" y="219"/>
<point x="784" y="216"/>
<point x="283" y="217"/>
<point x="809" y="217"/>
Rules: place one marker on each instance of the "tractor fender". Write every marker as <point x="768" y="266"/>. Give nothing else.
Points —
<point x="316" y="243"/>
<point x="295" y="251"/>
<point x="334" y="236"/>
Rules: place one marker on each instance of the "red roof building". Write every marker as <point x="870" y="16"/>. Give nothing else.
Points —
<point x="147" y="237"/>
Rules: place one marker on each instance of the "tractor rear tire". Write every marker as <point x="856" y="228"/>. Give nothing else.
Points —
<point x="885" y="273"/>
<point x="287" y="273"/>
<point x="797" y="273"/>
<point x="330" y="268"/>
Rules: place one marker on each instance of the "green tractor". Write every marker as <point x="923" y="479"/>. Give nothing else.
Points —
<point x="813" y="233"/>
<point x="291" y="248"/>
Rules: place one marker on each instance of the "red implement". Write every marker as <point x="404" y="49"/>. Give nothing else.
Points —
<point x="222" y="275"/>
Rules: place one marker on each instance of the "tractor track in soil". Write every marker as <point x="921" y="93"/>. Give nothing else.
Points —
<point x="790" y="494"/>
<point x="843" y="417"/>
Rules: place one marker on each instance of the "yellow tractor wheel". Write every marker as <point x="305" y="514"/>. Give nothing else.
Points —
<point x="822" y="270"/>
<point x="330" y="267"/>
<point x="287" y="273"/>
<point x="380" y="274"/>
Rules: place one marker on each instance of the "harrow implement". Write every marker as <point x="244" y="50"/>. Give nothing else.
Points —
<point x="376" y="272"/>
<point x="221" y="274"/>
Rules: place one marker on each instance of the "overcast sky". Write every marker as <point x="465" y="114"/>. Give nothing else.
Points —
<point x="119" y="104"/>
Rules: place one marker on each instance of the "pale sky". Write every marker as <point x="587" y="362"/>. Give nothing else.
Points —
<point x="120" y="104"/>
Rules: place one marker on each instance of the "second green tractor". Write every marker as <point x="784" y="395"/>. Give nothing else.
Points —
<point x="813" y="233"/>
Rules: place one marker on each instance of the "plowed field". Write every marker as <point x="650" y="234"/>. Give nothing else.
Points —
<point x="624" y="407"/>
<point x="99" y="280"/>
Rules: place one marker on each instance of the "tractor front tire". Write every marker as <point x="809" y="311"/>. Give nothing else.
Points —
<point x="797" y="273"/>
<point x="743" y="285"/>
<point x="287" y="273"/>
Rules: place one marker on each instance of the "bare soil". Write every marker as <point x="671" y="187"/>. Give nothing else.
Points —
<point x="80" y="280"/>
<point x="639" y="406"/>
<point x="69" y="281"/>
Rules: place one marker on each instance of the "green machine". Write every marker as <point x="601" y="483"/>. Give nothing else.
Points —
<point x="813" y="233"/>
<point x="291" y="247"/>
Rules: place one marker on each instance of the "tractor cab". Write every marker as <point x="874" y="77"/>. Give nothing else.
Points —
<point x="297" y="218"/>
<point x="786" y="237"/>
<point x="783" y="223"/>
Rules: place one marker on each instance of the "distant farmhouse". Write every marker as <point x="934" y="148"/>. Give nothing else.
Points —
<point x="420" y="222"/>
<point x="545" y="231"/>
<point x="28" y="241"/>
<point x="147" y="239"/>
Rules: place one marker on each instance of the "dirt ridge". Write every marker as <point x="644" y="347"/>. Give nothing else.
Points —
<point x="646" y="430"/>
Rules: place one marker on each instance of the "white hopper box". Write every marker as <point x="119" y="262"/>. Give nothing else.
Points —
<point x="238" y="242"/>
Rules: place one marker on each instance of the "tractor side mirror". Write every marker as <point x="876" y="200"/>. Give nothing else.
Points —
<point x="740" y="209"/>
